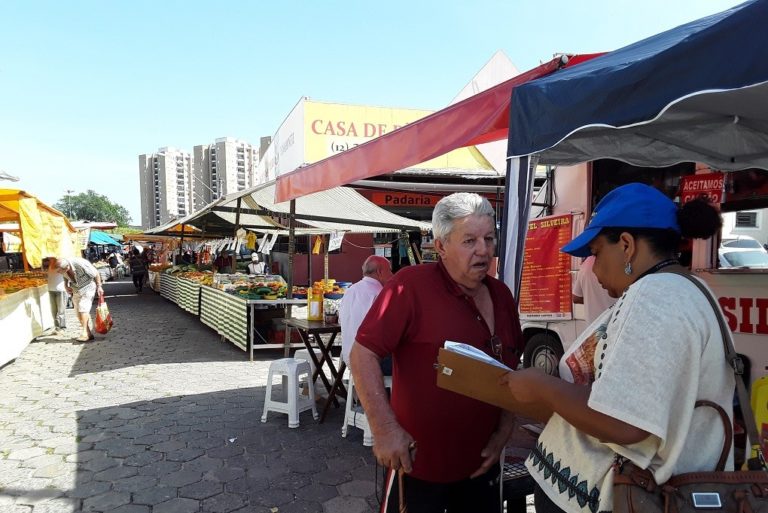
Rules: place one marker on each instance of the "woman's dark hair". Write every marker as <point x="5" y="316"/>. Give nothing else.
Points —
<point x="135" y="251"/>
<point x="698" y="219"/>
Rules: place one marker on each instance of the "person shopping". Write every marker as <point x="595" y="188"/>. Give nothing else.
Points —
<point x="83" y="281"/>
<point x="138" y="269"/>
<point x="635" y="375"/>
<point x="57" y="293"/>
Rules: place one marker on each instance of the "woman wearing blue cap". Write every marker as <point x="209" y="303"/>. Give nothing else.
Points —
<point x="639" y="368"/>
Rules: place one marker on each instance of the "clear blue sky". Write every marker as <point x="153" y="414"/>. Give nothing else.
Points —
<point x="87" y="86"/>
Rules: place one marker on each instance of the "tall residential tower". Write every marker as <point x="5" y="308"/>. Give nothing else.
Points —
<point x="226" y="166"/>
<point x="165" y="181"/>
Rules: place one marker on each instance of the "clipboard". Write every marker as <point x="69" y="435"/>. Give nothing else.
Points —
<point x="472" y="378"/>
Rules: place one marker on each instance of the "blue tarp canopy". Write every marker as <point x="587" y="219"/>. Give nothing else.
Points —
<point x="693" y="93"/>
<point x="102" y="239"/>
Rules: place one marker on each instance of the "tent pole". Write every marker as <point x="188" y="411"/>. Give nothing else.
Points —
<point x="23" y="248"/>
<point x="289" y="295"/>
<point x="181" y="242"/>
<point x="326" y="242"/>
<point x="309" y="259"/>
<point x="237" y="228"/>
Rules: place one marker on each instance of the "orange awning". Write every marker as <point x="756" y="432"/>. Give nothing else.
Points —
<point x="478" y="119"/>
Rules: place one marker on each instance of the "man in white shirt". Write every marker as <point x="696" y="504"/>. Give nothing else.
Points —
<point x="57" y="292"/>
<point x="255" y="267"/>
<point x="358" y="300"/>
<point x="588" y="291"/>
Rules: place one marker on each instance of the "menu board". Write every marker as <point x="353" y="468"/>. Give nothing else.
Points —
<point x="545" y="292"/>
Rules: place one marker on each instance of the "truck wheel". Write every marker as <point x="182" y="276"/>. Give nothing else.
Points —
<point x="544" y="352"/>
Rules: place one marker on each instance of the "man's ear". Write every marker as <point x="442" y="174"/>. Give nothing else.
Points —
<point x="440" y="247"/>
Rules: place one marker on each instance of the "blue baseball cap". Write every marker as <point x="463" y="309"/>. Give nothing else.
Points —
<point x="634" y="205"/>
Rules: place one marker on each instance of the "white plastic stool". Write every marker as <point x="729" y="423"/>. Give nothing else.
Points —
<point x="354" y="415"/>
<point x="295" y="402"/>
<point x="303" y="354"/>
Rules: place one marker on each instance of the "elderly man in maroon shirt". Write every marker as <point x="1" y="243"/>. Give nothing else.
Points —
<point x="454" y="467"/>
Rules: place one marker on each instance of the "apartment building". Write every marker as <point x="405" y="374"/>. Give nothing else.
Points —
<point x="165" y="181"/>
<point x="174" y="183"/>
<point x="226" y="166"/>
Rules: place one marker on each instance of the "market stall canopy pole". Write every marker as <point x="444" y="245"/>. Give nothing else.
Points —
<point x="289" y="294"/>
<point x="478" y="119"/>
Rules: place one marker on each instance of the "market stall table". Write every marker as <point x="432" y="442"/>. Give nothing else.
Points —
<point x="24" y="315"/>
<point x="315" y="329"/>
<point x="262" y="306"/>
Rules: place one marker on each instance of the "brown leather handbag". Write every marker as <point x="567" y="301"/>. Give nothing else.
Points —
<point x="636" y="491"/>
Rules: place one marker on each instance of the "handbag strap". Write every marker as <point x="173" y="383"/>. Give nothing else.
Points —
<point x="728" y="429"/>
<point x="735" y="361"/>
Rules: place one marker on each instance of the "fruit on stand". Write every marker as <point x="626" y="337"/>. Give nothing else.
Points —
<point x="10" y="283"/>
<point x="203" y="278"/>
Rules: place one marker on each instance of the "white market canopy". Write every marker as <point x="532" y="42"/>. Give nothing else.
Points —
<point x="340" y="209"/>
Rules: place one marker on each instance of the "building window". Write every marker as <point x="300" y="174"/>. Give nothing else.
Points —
<point x="746" y="219"/>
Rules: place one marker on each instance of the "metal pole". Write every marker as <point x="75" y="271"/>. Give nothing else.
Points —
<point x="309" y="259"/>
<point x="289" y="295"/>
<point x="326" y="243"/>
<point x="237" y="227"/>
<point x="181" y="243"/>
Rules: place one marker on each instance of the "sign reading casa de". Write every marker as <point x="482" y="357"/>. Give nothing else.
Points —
<point x="316" y="130"/>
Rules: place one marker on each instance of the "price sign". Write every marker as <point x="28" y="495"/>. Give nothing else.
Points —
<point x="545" y="291"/>
<point x="709" y="185"/>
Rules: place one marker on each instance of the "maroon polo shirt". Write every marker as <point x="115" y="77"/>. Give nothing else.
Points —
<point x="417" y="311"/>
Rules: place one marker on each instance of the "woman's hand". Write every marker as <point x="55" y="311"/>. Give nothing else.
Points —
<point x="530" y="390"/>
<point x="525" y="384"/>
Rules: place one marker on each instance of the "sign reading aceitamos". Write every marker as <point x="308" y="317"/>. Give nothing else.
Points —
<point x="709" y="185"/>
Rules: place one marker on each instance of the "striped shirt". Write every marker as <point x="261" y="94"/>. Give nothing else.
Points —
<point x="84" y="271"/>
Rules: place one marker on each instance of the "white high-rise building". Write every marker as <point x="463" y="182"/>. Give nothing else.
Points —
<point x="226" y="166"/>
<point x="165" y="181"/>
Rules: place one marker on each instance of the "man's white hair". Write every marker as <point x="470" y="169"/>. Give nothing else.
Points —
<point x="373" y="263"/>
<point x="456" y="206"/>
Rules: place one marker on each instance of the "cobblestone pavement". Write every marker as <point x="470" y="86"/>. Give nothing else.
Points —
<point x="160" y="416"/>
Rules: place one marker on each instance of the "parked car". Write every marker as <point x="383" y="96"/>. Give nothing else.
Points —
<point x="742" y="242"/>
<point x="744" y="258"/>
<point x="742" y="251"/>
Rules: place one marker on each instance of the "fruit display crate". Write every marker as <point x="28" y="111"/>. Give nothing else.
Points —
<point x="169" y="287"/>
<point x="189" y="295"/>
<point x="226" y="314"/>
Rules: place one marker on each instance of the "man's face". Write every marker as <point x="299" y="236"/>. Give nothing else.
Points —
<point x="468" y="250"/>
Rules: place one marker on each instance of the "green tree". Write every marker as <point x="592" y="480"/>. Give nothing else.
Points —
<point x="90" y="206"/>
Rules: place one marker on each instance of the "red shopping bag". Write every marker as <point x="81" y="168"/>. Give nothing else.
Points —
<point x="103" y="317"/>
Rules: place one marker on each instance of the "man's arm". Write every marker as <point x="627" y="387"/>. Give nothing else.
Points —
<point x="391" y="446"/>
<point x="96" y="275"/>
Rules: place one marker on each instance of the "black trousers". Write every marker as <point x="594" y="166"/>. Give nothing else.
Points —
<point x="543" y="503"/>
<point x="479" y="495"/>
<point x="138" y="279"/>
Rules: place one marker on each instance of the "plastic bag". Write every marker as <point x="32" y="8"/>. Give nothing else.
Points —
<point x="103" y="317"/>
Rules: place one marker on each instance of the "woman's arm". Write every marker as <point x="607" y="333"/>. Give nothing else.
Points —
<point x="540" y="395"/>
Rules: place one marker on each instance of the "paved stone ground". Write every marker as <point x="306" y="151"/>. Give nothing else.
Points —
<point x="160" y="416"/>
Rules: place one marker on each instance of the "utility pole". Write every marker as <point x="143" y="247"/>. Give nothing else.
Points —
<point x="69" y="203"/>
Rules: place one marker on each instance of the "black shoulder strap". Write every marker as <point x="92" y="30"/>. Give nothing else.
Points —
<point x="735" y="361"/>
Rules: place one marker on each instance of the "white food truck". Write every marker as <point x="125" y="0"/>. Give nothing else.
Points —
<point x="551" y="321"/>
